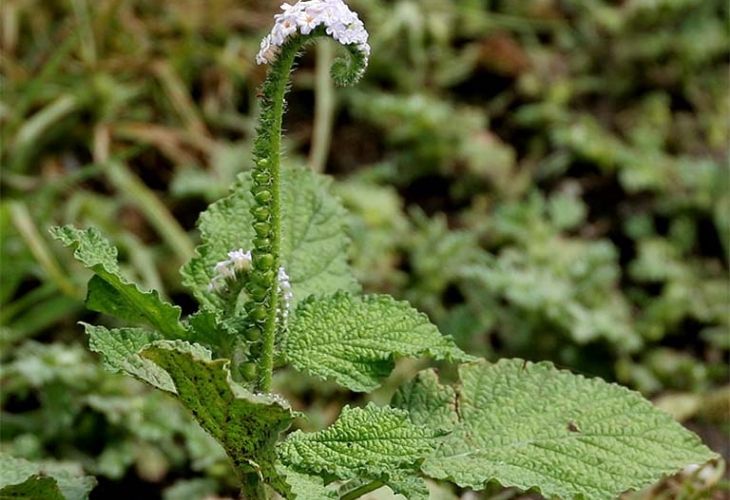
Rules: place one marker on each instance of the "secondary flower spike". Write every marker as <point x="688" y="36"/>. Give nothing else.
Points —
<point x="237" y="261"/>
<point x="303" y="17"/>
<point x="286" y="292"/>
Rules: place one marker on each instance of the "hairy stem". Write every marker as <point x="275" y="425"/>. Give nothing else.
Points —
<point x="362" y="490"/>
<point x="252" y="488"/>
<point x="263" y="288"/>
<point x="263" y="307"/>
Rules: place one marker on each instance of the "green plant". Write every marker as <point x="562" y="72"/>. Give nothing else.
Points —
<point x="292" y="300"/>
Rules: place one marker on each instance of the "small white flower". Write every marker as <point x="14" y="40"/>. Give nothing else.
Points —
<point x="224" y="269"/>
<point x="237" y="261"/>
<point x="335" y="29"/>
<point x="286" y="292"/>
<point x="240" y="260"/>
<point x="352" y="34"/>
<point x="286" y="24"/>
<point x="277" y="36"/>
<point x="215" y="284"/>
<point x="307" y="24"/>
<point x="267" y="52"/>
<point x="305" y="16"/>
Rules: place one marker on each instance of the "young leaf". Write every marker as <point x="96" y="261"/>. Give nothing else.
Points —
<point x="373" y="442"/>
<point x="313" y="246"/>
<point x="532" y="426"/>
<point x="109" y="293"/>
<point x="20" y="478"/>
<point x="119" y="349"/>
<point x="246" y="424"/>
<point x="352" y="340"/>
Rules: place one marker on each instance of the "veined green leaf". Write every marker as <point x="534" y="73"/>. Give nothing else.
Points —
<point x="119" y="349"/>
<point x="410" y="486"/>
<point x="313" y="242"/>
<point x="20" y="478"/>
<point x="406" y="484"/>
<point x="428" y="402"/>
<point x="352" y="340"/>
<point x="109" y="293"/>
<point x="247" y="425"/>
<point x="300" y="486"/>
<point x="532" y="426"/>
<point x="372" y="442"/>
<point x="313" y="246"/>
<point x="204" y="327"/>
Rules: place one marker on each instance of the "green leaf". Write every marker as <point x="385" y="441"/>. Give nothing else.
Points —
<point x="20" y="478"/>
<point x="314" y="242"/>
<point x="109" y="293"/>
<point x="410" y="486"/>
<point x="247" y="425"/>
<point x="428" y="402"/>
<point x="203" y="327"/>
<point x="33" y="488"/>
<point x="313" y="246"/>
<point x="352" y="340"/>
<point x="300" y="486"/>
<point x="394" y="487"/>
<point x="374" y="442"/>
<point x="119" y="349"/>
<point x="532" y="426"/>
<point x="191" y="489"/>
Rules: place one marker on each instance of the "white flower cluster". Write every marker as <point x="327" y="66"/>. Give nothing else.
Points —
<point x="286" y="292"/>
<point x="237" y="261"/>
<point x="340" y="23"/>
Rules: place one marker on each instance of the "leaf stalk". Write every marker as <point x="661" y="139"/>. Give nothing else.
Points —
<point x="362" y="490"/>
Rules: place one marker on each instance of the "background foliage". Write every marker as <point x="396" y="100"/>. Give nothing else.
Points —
<point x="546" y="179"/>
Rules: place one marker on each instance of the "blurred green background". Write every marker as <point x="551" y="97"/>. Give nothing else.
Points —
<point x="547" y="179"/>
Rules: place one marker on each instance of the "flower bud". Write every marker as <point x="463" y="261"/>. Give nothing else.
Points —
<point x="263" y="262"/>
<point x="248" y="371"/>
<point x="261" y="228"/>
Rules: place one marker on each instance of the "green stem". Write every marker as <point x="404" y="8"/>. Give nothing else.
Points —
<point x="262" y="288"/>
<point x="252" y="488"/>
<point x="362" y="490"/>
<point x="267" y="211"/>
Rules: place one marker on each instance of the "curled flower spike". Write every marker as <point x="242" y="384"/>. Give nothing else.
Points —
<point x="237" y="261"/>
<point x="305" y="16"/>
<point x="269" y="288"/>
